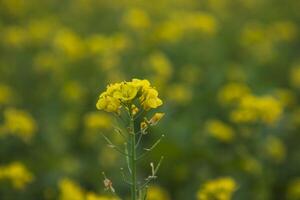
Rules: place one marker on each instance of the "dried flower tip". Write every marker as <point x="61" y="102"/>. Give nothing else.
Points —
<point x="152" y="169"/>
<point x="156" y="118"/>
<point x="108" y="184"/>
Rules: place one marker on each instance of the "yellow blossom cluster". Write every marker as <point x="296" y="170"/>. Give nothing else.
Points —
<point x="295" y="75"/>
<point x="94" y="121"/>
<point x="293" y="191"/>
<point x="180" y="94"/>
<point x="126" y="93"/>
<point x="251" y="165"/>
<point x="6" y="94"/>
<point x="182" y="23"/>
<point x="17" y="173"/>
<point x="232" y="92"/>
<point x="19" y="123"/>
<point x="251" y="109"/>
<point x="70" y="190"/>
<point x="157" y="193"/>
<point x="217" y="189"/>
<point x="136" y="18"/>
<point x="260" y="39"/>
<point x="275" y="149"/>
<point x="220" y="130"/>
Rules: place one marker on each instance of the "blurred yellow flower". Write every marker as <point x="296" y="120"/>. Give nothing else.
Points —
<point x="47" y="62"/>
<point x="200" y="21"/>
<point x="283" y="30"/>
<point x="232" y="92"/>
<point x="99" y="44"/>
<point x="275" y="148"/>
<point x="160" y="65"/>
<point x="19" y="123"/>
<point x="295" y="116"/>
<point x="286" y="97"/>
<point x="293" y="191"/>
<point x="39" y="30"/>
<point x="219" y="130"/>
<point x="168" y="31"/>
<point x="251" y="165"/>
<point x="108" y="157"/>
<point x="179" y="93"/>
<point x="93" y="196"/>
<point x="13" y="7"/>
<point x="137" y="19"/>
<point x="70" y="190"/>
<point x="73" y="91"/>
<point x="184" y="23"/>
<point x="255" y="38"/>
<point x="295" y="76"/>
<point x="6" y="94"/>
<point x="157" y="193"/>
<point x="266" y="109"/>
<point x="14" y="37"/>
<point x="17" y="173"/>
<point x="96" y="121"/>
<point x="217" y="189"/>
<point x="69" y="43"/>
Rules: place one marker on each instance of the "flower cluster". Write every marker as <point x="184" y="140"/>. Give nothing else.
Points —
<point x="70" y="189"/>
<point x="17" y="173"/>
<point x="218" y="189"/>
<point x="251" y="109"/>
<point x="293" y="191"/>
<point x="19" y="123"/>
<point x="220" y="130"/>
<point x="134" y="93"/>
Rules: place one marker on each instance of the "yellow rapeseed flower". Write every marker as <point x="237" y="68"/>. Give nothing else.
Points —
<point x="94" y="196"/>
<point x="275" y="148"/>
<point x="293" y="191"/>
<point x="217" y="189"/>
<point x="96" y="121"/>
<point x="232" y="93"/>
<point x="70" y="190"/>
<point x="19" y="123"/>
<point x="136" y="19"/>
<point x="6" y="94"/>
<point x="17" y="173"/>
<point x="124" y="93"/>
<point x="220" y="130"/>
<point x="251" y="109"/>
<point x="157" y="193"/>
<point x="295" y="75"/>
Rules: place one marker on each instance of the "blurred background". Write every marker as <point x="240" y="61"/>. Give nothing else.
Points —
<point x="227" y="70"/>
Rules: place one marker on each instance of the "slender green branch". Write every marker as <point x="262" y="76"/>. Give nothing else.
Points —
<point x="154" y="172"/>
<point x="111" y="145"/>
<point x="127" y="158"/>
<point x="139" y="140"/>
<point x="119" y="131"/>
<point x="151" y="148"/>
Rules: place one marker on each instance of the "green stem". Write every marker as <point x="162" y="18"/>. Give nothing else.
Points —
<point x="133" y="161"/>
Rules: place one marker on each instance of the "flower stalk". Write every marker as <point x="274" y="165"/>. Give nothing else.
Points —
<point x="130" y="102"/>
